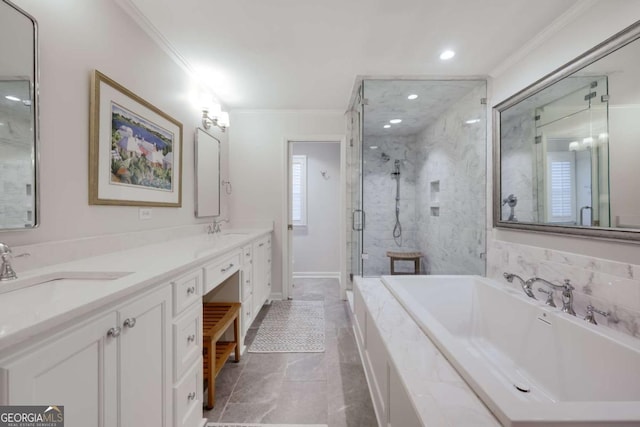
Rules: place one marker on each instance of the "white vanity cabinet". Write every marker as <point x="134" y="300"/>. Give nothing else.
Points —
<point x="110" y="370"/>
<point x="261" y="273"/>
<point x="246" y="293"/>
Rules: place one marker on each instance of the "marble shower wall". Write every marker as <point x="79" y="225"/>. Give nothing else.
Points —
<point x="451" y="189"/>
<point x="608" y="285"/>
<point x="379" y="194"/>
<point x="518" y="133"/>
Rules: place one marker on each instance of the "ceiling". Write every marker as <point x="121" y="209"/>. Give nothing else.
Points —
<point x="387" y="99"/>
<point x="302" y="54"/>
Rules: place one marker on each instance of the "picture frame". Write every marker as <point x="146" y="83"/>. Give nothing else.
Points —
<point x="135" y="149"/>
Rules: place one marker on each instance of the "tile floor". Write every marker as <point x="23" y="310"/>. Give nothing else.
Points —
<point x="305" y="388"/>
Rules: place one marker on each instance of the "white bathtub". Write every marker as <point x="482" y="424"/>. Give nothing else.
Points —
<point x="577" y="374"/>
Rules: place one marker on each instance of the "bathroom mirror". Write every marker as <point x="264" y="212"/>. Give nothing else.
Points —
<point x="18" y="119"/>
<point x="207" y="167"/>
<point x="567" y="148"/>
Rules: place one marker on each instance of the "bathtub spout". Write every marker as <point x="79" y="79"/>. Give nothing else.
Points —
<point x="567" y="292"/>
<point x="526" y="286"/>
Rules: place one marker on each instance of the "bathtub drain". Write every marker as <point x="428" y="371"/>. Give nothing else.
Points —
<point x="521" y="388"/>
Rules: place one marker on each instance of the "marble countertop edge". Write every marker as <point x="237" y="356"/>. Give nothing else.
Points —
<point x="148" y="266"/>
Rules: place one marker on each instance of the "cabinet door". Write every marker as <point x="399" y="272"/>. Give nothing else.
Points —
<point x="77" y="370"/>
<point x="146" y="360"/>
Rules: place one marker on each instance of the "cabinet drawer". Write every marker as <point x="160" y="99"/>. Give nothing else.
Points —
<point x="187" y="340"/>
<point x="247" y="255"/>
<point x="216" y="272"/>
<point x="247" y="283"/>
<point x="186" y="290"/>
<point x="187" y="398"/>
<point x="247" y="315"/>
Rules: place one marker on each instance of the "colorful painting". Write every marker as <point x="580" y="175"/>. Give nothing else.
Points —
<point x="135" y="152"/>
<point x="141" y="152"/>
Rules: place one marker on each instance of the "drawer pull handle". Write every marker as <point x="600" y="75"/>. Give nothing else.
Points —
<point x="248" y="314"/>
<point x="191" y="290"/>
<point x="247" y="254"/>
<point x="129" y="322"/>
<point x="191" y="396"/>
<point x="261" y="245"/>
<point x="114" y="332"/>
<point x="191" y="338"/>
<point x="229" y="267"/>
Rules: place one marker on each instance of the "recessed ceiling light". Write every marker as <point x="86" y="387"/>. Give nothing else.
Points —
<point x="412" y="96"/>
<point x="447" y="54"/>
<point x="395" y="121"/>
<point x="387" y="126"/>
<point x="374" y="147"/>
<point x="472" y="121"/>
<point x="12" y="98"/>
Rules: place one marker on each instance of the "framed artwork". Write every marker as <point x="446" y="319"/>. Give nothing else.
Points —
<point x="135" y="149"/>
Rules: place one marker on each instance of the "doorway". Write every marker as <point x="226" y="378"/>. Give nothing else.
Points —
<point x="315" y="229"/>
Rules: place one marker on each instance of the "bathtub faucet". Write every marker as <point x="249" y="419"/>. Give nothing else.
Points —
<point x="567" y="292"/>
<point x="526" y="286"/>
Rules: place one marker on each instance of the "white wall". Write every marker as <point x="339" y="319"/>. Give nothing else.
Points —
<point x="257" y="168"/>
<point x="316" y="246"/>
<point x="606" y="273"/>
<point x="77" y="36"/>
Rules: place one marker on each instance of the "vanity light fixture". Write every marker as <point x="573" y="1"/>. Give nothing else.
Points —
<point x="574" y="146"/>
<point x="12" y="98"/>
<point x="447" y="54"/>
<point x="412" y="96"/>
<point x="395" y="121"/>
<point x="386" y="126"/>
<point x="603" y="136"/>
<point x="215" y="117"/>
<point x="587" y="142"/>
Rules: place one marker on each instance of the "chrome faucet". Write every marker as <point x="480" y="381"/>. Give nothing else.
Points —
<point x="590" y="317"/>
<point x="549" y="293"/>
<point x="214" y="228"/>
<point x="6" y="271"/>
<point x="526" y="286"/>
<point x="567" y="293"/>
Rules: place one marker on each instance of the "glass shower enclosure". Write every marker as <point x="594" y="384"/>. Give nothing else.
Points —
<point x="418" y="175"/>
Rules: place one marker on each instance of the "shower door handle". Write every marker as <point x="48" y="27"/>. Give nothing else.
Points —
<point x="353" y="220"/>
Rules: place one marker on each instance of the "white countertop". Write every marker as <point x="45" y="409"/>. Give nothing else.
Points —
<point x="439" y="394"/>
<point x="28" y="311"/>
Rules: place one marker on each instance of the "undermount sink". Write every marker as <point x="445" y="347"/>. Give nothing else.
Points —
<point x="59" y="277"/>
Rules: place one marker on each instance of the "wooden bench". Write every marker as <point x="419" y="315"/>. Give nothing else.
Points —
<point x="405" y="256"/>
<point x="216" y="319"/>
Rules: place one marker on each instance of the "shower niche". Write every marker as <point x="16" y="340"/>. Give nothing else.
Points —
<point x="407" y="147"/>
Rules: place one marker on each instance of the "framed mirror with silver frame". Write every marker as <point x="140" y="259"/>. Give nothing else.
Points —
<point x="19" y="128"/>
<point x="567" y="148"/>
<point x="207" y="170"/>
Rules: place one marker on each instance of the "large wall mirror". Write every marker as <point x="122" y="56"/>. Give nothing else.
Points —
<point x="567" y="148"/>
<point x="18" y="119"/>
<point x="207" y="168"/>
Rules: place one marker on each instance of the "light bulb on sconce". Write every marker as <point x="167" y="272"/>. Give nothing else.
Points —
<point x="215" y="116"/>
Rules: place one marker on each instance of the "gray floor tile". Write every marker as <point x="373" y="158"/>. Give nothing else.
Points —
<point x="246" y="412"/>
<point x="303" y="402"/>
<point x="306" y="367"/>
<point x="304" y="388"/>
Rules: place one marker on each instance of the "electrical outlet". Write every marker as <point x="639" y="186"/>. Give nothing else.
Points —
<point x="144" y="213"/>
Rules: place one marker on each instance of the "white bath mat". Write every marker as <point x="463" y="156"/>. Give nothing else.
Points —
<point x="264" y="425"/>
<point x="291" y="327"/>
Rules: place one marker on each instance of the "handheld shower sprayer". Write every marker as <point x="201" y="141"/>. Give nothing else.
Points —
<point x="397" y="229"/>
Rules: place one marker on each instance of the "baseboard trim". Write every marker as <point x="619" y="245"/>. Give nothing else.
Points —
<point x="276" y="296"/>
<point x="317" y="275"/>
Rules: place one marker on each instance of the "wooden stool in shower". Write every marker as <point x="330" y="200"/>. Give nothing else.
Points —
<point x="405" y="256"/>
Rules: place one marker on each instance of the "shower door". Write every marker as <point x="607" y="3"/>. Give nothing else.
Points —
<point x="355" y="214"/>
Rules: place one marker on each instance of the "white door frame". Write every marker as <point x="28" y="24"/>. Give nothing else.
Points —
<point x="287" y="247"/>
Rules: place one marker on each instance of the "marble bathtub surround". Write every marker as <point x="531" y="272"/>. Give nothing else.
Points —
<point x="608" y="285"/>
<point x="438" y="393"/>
